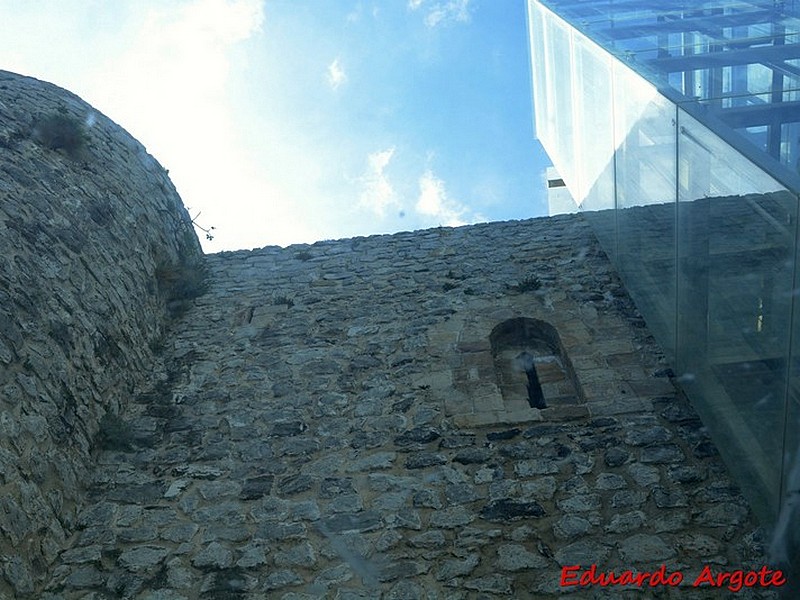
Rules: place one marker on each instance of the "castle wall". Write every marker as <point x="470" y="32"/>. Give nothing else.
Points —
<point x="93" y="237"/>
<point x="329" y="420"/>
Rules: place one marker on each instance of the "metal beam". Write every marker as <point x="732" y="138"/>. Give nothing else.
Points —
<point x="694" y="62"/>
<point x="760" y="114"/>
<point x="702" y="24"/>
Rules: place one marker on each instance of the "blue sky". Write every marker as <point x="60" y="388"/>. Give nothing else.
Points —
<point x="285" y="121"/>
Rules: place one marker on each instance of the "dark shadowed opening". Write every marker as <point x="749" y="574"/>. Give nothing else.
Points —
<point x="531" y="364"/>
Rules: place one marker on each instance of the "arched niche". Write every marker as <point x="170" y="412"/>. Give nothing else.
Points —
<point x="531" y="364"/>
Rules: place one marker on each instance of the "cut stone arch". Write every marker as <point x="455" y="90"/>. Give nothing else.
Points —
<point x="531" y="364"/>
<point x="477" y="388"/>
<point x="584" y="363"/>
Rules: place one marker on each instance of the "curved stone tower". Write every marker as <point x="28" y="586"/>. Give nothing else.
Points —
<point x="96" y="252"/>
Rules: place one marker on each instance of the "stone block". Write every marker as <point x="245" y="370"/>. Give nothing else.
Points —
<point x="565" y="412"/>
<point x="481" y="419"/>
<point x="525" y="415"/>
<point x="436" y="381"/>
<point x="618" y="406"/>
<point x="474" y="346"/>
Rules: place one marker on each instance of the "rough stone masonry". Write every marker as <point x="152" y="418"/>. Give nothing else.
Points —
<point x="336" y="420"/>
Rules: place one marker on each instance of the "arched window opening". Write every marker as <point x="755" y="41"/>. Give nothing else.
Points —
<point x="531" y="365"/>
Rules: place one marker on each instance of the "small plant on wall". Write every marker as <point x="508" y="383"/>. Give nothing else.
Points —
<point x="206" y="230"/>
<point x="181" y="279"/>
<point x="180" y="283"/>
<point x="530" y="283"/>
<point x="60" y="131"/>
<point x="283" y="300"/>
<point x="114" y="434"/>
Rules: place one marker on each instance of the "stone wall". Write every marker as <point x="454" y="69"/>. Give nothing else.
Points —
<point x="327" y="422"/>
<point x="94" y="242"/>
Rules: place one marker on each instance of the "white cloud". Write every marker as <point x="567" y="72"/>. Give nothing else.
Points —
<point x="190" y="42"/>
<point x="453" y="10"/>
<point x="171" y="88"/>
<point x="354" y="16"/>
<point x="434" y="202"/>
<point x="336" y="74"/>
<point x="378" y="194"/>
<point x="414" y="4"/>
<point x="223" y="21"/>
<point x="174" y="74"/>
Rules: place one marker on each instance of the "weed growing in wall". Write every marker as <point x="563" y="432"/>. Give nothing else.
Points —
<point x="181" y="282"/>
<point x="278" y="300"/>
<point x="114" y="434"/>
<point x="182" y="278"/>
<point x="451" y="275"/>
<point x="59" y="131"/>
<point x="531" y="283"/>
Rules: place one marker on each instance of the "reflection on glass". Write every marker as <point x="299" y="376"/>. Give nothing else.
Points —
<point x="740" y="58"/>
<point x="785" y="540"/>
<point x="594" y="138"/>
<point x="576" y="123"/>
<point x="645" y="176"/>
<point x="558" y="55"/>
<point x="735" y="265"/>
<point x="689" y="174"/>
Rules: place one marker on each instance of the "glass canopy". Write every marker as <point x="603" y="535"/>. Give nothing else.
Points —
<point x="676" y="127"/>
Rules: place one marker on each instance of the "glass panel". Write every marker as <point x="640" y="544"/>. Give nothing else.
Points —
<point x="784" y="539"/>
<point x="594" y="138"/>
<point x="735" y="265"/>
<point x="645" y="183"/>
<point x="593" y="117"/>
<point x="559" y="99"/>
<point x="740" y="59"/>
<point x="545" y="120"/>
<point x="706" y="130"/>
